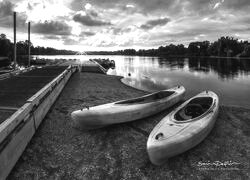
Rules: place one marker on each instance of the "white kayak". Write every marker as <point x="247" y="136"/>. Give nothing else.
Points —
<point x="183" y="128"/>
<point x="127" y="110"/>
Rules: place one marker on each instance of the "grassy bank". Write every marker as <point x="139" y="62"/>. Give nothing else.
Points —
<point x="58" y="151"/>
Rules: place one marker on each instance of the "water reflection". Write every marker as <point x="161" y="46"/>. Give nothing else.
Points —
<point x="230" y="78"/>
<point x="226" y="68"/>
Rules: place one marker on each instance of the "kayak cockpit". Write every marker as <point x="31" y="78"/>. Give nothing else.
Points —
<point x="149" y="98"/>
<point x="195" y="108"/>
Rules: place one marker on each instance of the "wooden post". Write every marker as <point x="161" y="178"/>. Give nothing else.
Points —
<point x="29" y="44"/>
<point x="14" y="40"/>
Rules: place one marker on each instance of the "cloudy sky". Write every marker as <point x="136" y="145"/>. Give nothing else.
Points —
<point x="85" y="25"/>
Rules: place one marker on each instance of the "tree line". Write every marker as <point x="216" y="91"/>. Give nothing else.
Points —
<point x="6" y="48"/>
<point x="223" y="47"/>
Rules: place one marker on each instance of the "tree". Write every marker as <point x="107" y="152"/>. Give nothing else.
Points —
<point x="2" y="36"/>
<point x="246" y="52"/>
<point x="5" y="46"/>
<point x="193" y="48"/>
<point x="229" y="46"/>
<point x="204" y="48"/>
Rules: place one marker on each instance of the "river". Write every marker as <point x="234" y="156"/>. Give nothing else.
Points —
<point x="229" y="78"/>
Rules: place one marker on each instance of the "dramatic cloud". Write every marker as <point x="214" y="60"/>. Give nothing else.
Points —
<point x="6" y="16"/>
<point x="156" y="22"/>
<point x="236" y="5"/>
<point x="160" y="6"/>
<point x="145" y="6"/>
<point x="115" y="24"/>
<point x="93" y="13"/>
<point x="52" y="27"/>
<point x="87" y="33"/>
<point x="89" y="20"/>
<point x="70" y="41"/>
<point x="30" y="7"/>
<point x="120" y="31"/>
<point x="6" y="8"/>
<point x="53" y="37"/>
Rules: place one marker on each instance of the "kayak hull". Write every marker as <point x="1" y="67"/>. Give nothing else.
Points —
<point x="177" y="137"/>
<point x="125" y="111"/>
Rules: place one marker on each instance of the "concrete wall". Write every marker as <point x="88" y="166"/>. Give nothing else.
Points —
<point x="17" y="130"/>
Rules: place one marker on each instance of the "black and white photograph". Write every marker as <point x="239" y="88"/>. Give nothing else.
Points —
<point x="124" y="89"/>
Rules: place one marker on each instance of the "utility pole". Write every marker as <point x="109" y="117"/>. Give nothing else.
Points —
<point x="14" y="41"/>
<point x="29" y="44"/>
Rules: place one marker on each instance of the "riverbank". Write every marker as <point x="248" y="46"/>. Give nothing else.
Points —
<point x="58" y="151"/>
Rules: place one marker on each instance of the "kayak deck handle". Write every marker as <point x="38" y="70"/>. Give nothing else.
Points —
<point x="159" y="136"/>
<point x="87" y="107"/>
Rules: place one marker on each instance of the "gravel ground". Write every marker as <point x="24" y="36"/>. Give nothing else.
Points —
<point x="59" y="151"/>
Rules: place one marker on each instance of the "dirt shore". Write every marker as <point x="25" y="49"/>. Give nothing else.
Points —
<point x="58" y="151"/>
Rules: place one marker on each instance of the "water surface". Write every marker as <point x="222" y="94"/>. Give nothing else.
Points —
<point x="229" y="78"/>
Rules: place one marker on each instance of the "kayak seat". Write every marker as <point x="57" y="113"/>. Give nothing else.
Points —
<point x="132" y="101"/>
<point x="163" y="94"/>
<point x="147" y="99"/>
<point x="194" y="108"/>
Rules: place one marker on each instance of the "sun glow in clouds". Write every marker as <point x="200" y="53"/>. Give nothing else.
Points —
<point x="76" y="28"/>
<point x="122" y="24"/>
<point x="42" y="10"/>
<point x="218" y="4"/>
<point x="130" y="6"/>
<point x="88" y="6"/>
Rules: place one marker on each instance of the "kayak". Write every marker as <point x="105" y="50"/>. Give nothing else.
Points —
<point x="183" y="128"/>
<point x="127" y="110"/>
